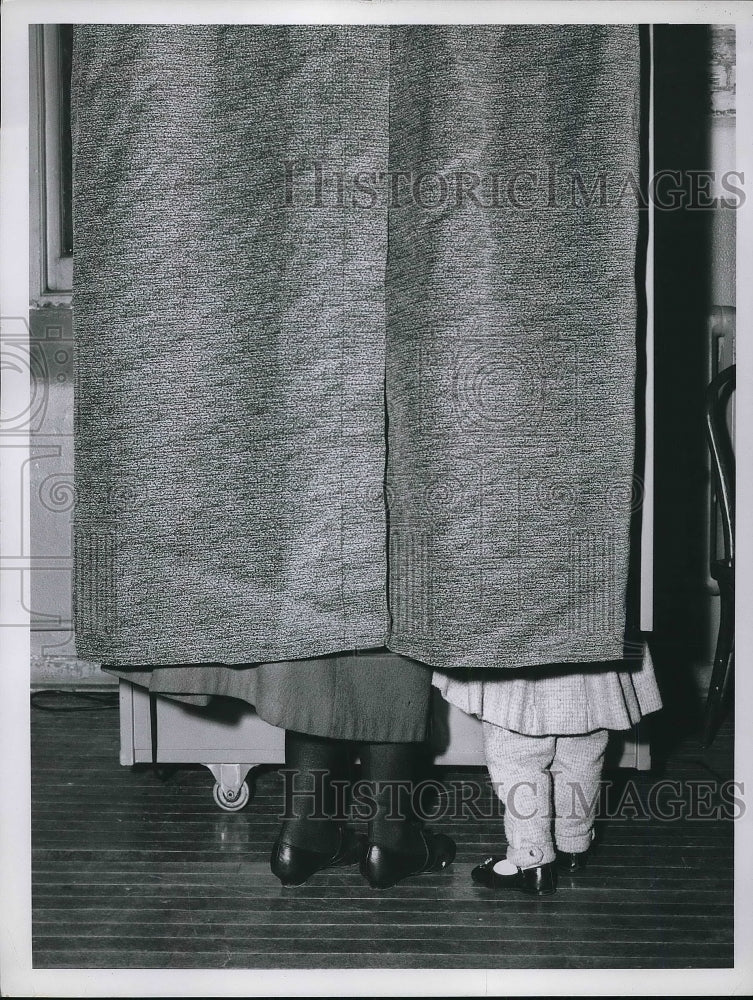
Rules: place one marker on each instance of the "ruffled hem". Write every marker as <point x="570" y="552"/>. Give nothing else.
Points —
<point x="555" y="700"/>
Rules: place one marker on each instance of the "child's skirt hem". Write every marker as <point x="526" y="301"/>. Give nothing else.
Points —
<point x="562" y="702"/>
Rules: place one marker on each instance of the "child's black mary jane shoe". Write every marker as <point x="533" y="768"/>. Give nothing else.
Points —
<point x="575" y="861"/>
<point x="538" y="881"/>
<point x="571" y="862"/>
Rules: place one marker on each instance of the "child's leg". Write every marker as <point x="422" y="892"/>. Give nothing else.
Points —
<point x="519" y="770"/>
<point x="576" y="771"/>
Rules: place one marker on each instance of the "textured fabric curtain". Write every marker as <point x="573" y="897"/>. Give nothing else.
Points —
<point x="356" y="316"/>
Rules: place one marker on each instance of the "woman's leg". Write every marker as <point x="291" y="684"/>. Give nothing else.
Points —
<point x="314" y="765"/>
<point x="391" y="771"/>
<point x="312" y="836"/>
<point x="576" y="769"/>
<point x="398" y="845"/>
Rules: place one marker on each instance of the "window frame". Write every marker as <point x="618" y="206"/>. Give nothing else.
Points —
<point x="51" y="267"/>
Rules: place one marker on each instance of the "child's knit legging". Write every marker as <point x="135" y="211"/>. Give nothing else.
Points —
<point x="549" y="786"/>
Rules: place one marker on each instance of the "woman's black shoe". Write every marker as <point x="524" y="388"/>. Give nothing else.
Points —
<point x="294" y="865"/>
<point x="538" y="881"/>
<point x="383" y="867"/>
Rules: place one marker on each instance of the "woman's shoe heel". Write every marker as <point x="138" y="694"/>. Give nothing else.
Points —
<point x="295" y="865"/>
<point x="383" y="867"/>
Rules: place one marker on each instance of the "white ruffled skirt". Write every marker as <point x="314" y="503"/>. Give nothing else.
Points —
<point x="557" y="700"/>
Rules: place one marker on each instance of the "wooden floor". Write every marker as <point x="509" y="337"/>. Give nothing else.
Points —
<point x="136" y="870"/>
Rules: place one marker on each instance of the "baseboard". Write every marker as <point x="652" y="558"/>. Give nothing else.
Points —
<point x="73" y="686"/>
<point x="64" y="671"/>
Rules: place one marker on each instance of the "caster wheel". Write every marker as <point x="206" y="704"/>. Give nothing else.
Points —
<point x="228" y="801"/>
